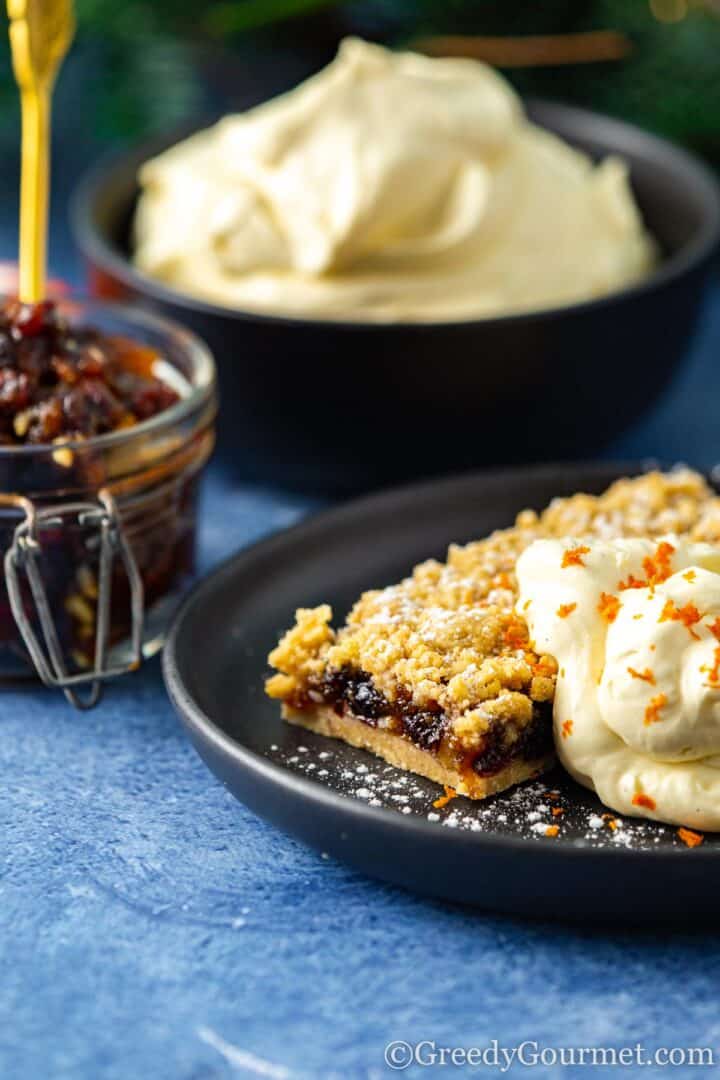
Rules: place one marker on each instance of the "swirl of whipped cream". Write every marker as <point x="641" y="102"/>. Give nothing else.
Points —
<point x="634" y="625"/>
<point x="388" y="186"/>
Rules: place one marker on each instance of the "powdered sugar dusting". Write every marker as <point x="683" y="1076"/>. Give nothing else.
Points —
<point x="550" y="810"/>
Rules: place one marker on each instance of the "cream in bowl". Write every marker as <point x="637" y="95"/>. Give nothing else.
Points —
<point x="634" y="625"/>
<point x="389" y="187"/>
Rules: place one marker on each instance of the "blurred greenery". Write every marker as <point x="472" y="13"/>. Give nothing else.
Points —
<point x="143" y="65"/>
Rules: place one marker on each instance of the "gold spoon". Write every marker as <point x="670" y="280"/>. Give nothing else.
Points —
<point x="40" y="35"/>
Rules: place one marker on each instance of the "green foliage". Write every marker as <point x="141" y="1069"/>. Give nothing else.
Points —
<point x="232" y="18"/>
<point x="173" y="17"/>
<point x="144" y="64"/>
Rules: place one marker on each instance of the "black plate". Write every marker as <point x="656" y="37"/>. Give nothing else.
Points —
<point x="351" y="805"/>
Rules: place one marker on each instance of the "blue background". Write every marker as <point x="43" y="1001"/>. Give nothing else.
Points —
<point x="153" y="927"/>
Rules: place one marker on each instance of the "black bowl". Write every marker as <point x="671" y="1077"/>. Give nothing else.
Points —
<point x="338" y="406"/>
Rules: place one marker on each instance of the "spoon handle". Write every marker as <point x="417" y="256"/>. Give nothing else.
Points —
<point x="34" y="193"/>
<point x="40" y="34"/>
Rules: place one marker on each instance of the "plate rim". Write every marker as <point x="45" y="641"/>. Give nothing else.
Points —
<point x="200" y="725"/>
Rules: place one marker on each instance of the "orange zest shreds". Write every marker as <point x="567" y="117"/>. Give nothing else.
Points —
<point x="557" y="811"/>
<point x="502" y="580"/>
<point x="688" y="615"/>
<point x="657" y="567"/>
<point x="641" y="799"/>
<point x="610" y="821"/>
<point x="609" y="606"/>
<point x="631" y="582"/>
<point x="638" y="616"/>
<point x="689" y="837"/>
<point x="713" y="673"/>
<point x="567" y="727"/>
<point x="515" y="636"/>
<point x="552" y="796"/>
<point x="646" y="675"/>
<point x="450" y="793"/>
<point x="574" y="556"/>
<point x="652" y="712"/>
<point x="527" y="604"/>
<point x="690" y="575"/>
<point x="552" y="830"/>
<point x="565" y="609"/>
<point x="544" y="667"/>
<point x="714" y="628"/>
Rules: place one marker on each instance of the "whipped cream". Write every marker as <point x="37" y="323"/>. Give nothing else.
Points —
<point x="635" y="628"/>
<point x="390" y="186"/>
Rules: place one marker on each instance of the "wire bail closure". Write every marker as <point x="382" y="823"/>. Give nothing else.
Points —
<point x="23" y="555"/>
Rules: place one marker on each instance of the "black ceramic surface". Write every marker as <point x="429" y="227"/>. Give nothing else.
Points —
<point x="340" y="406"/>
<point x="349" y="804"/>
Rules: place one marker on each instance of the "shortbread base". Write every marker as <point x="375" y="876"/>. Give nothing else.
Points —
<point x="396" y="750"/>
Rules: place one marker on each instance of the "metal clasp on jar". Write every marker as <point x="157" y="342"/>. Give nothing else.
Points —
<point x="23" y="557"/>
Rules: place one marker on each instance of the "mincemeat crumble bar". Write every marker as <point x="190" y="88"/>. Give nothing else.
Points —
<point x="437" y="674"/>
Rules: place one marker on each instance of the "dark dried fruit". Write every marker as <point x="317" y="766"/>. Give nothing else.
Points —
<point x="533" y="742"/>
<point x="30" y="320"/>
<point x="425" y="727"/>
<point x="57" y="382"/>
<point x="365" y="700"/>
<point x="496" y="753"/>
<point x="14" y="390"/>
<point x="537" y="738"/>
<point x="146" y="401"/>
<point x="356" y="690"/>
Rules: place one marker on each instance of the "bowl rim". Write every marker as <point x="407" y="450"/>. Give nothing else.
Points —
<point x="202" y="392"/>
<point x="99" y="252"/>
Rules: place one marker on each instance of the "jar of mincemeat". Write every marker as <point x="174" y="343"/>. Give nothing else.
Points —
<point x="98" y="534"/>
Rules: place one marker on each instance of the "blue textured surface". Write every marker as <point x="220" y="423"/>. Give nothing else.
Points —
<point x="152" y="927"/>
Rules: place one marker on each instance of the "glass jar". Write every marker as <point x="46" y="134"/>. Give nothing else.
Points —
<point x="99" y="535"/>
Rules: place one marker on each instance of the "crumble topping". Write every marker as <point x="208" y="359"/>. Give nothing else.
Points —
<point x="447" y="638"/>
